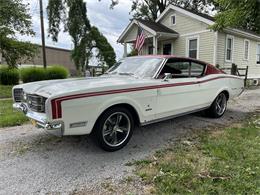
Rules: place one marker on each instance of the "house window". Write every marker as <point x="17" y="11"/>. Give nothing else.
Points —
<point x="258" y="54"/>
<point x="246" y="49"/>
<point x="150" y="49"/>
<point x="193" y="48"/>
<point x="167" y="49"/>
<point x="229" y="48"/>
<point x="173" y="19"/>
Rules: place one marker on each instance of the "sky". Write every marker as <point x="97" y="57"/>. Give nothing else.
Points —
<point x="111" y="22"/>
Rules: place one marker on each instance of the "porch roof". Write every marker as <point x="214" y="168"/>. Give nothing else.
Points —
<point x="157" y="27"/>
<point x="153" y="28"/>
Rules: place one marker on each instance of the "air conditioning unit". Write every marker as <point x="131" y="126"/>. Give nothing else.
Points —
<point x="255" y="82"/>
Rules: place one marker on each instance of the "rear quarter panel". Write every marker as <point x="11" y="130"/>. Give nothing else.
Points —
<point x="212" y="85"/>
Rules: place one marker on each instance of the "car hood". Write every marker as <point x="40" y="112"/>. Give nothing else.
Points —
<point x="81" y="85"/>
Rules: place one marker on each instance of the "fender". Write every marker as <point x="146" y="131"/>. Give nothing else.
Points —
<point x="121" y="100"/>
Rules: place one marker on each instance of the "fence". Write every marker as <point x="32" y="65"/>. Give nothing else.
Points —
<point x="234" y="70"/>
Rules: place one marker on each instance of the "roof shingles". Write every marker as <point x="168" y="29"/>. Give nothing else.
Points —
<point x="157" y="27"/>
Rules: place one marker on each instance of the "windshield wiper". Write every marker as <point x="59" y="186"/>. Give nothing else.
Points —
<point x="128" y="74"/>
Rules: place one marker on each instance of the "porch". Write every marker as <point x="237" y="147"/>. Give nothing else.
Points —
<point x="159" y="39"/>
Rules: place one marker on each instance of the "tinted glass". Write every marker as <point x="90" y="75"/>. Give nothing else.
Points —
<point x="196" y="69"/>
<point x="178" y="69"/>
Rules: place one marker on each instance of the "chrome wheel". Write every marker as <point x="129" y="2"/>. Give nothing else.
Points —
<point x="221" y="104"/>
<point x="116" y="129"/>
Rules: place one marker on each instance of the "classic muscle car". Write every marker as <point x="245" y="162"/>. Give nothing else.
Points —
<point x="135" y="91"/>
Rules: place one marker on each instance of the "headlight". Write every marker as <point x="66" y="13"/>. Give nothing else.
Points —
<point x="18" y="95"/>
<point x="24" y="96"/>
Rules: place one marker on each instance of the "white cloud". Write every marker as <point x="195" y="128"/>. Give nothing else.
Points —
<point x="111" y="22"/>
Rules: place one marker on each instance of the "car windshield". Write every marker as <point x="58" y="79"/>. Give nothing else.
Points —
<point x="136" y="66"/>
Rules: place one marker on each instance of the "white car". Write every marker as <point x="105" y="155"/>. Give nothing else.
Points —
<point x="135" y="91"/>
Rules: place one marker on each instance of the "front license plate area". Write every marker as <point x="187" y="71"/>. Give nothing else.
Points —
<point x="34" y="123"/>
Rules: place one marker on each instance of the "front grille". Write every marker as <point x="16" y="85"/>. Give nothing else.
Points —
<point x="18" y="94"/>
<point x="35" y="102"/>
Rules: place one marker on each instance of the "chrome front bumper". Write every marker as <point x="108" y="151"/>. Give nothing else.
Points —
<point x="55" y="127"/>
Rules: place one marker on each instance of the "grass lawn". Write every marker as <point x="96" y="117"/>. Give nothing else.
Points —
<point x="225" y="161"/>
<point x="6" y="91"/>
<point x="8" y="116"/>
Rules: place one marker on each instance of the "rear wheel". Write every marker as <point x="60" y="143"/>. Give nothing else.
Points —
<point x="218" y="107"/>
<point x="114" y="129"/>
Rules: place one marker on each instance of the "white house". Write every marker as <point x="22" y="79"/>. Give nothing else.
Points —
<point x="180" y="32"/>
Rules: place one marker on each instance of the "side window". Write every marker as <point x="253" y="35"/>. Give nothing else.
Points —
<point x="196" y="69"/>
<point x="181" y="68"/>
<point x="178" y="69"/>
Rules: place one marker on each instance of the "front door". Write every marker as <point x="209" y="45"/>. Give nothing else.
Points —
<point x="180" y="93"/>
<point x="167" y="49"/>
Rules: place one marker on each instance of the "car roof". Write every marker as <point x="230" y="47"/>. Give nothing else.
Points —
<point x="169" y="56"/>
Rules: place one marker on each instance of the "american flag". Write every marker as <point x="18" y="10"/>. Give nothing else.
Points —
<point x="139" y="42"/>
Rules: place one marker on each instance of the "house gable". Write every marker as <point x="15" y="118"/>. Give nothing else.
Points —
<point x="130" y="33"/>
<point x="184" y="24"/>
<point x="205" y="19"/>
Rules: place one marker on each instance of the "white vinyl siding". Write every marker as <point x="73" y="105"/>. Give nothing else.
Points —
<point x="238" y="54"/>
<point x="229" y="48"/>
<point x="246" y="49"/>
<point x="205" y="46"/>
<point x="184" y="24"/>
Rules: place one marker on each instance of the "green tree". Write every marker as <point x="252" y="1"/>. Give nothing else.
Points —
<point x="243" y="14"/>
<point x="106" y="52"/>
<point x="151" y="9"/>
<point x="73" y="14"/>
<point x="14" y="19"/>
<point x="79" y="29"/>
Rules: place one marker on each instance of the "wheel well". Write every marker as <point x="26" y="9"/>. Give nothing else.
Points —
<point x="226" y="94"/>
<point x="128" y="107"/>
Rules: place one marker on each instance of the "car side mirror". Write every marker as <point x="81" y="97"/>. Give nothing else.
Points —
<point x="167" y="76"/>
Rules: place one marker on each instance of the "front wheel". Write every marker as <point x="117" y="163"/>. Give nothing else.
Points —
<point x="218" y="107"/>
<point x="114" y="128"/>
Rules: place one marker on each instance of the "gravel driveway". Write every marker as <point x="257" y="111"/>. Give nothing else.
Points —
<point x="32" y="161"/>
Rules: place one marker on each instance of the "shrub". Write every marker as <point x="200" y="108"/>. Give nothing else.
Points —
<point x="56" y="72"/>
<point x="9" y="76"/>
<point x="38" y="73"/>
<point x="32" y="74"/>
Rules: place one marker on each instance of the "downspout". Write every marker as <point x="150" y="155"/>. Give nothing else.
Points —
<point x="215" y="54"/>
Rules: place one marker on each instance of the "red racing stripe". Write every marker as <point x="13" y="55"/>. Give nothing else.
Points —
<point x="56" y="103"/>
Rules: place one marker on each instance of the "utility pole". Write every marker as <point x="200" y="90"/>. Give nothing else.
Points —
<point x="43" y="36"/>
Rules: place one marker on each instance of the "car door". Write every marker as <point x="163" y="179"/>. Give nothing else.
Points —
<point x="180" y="93"/>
